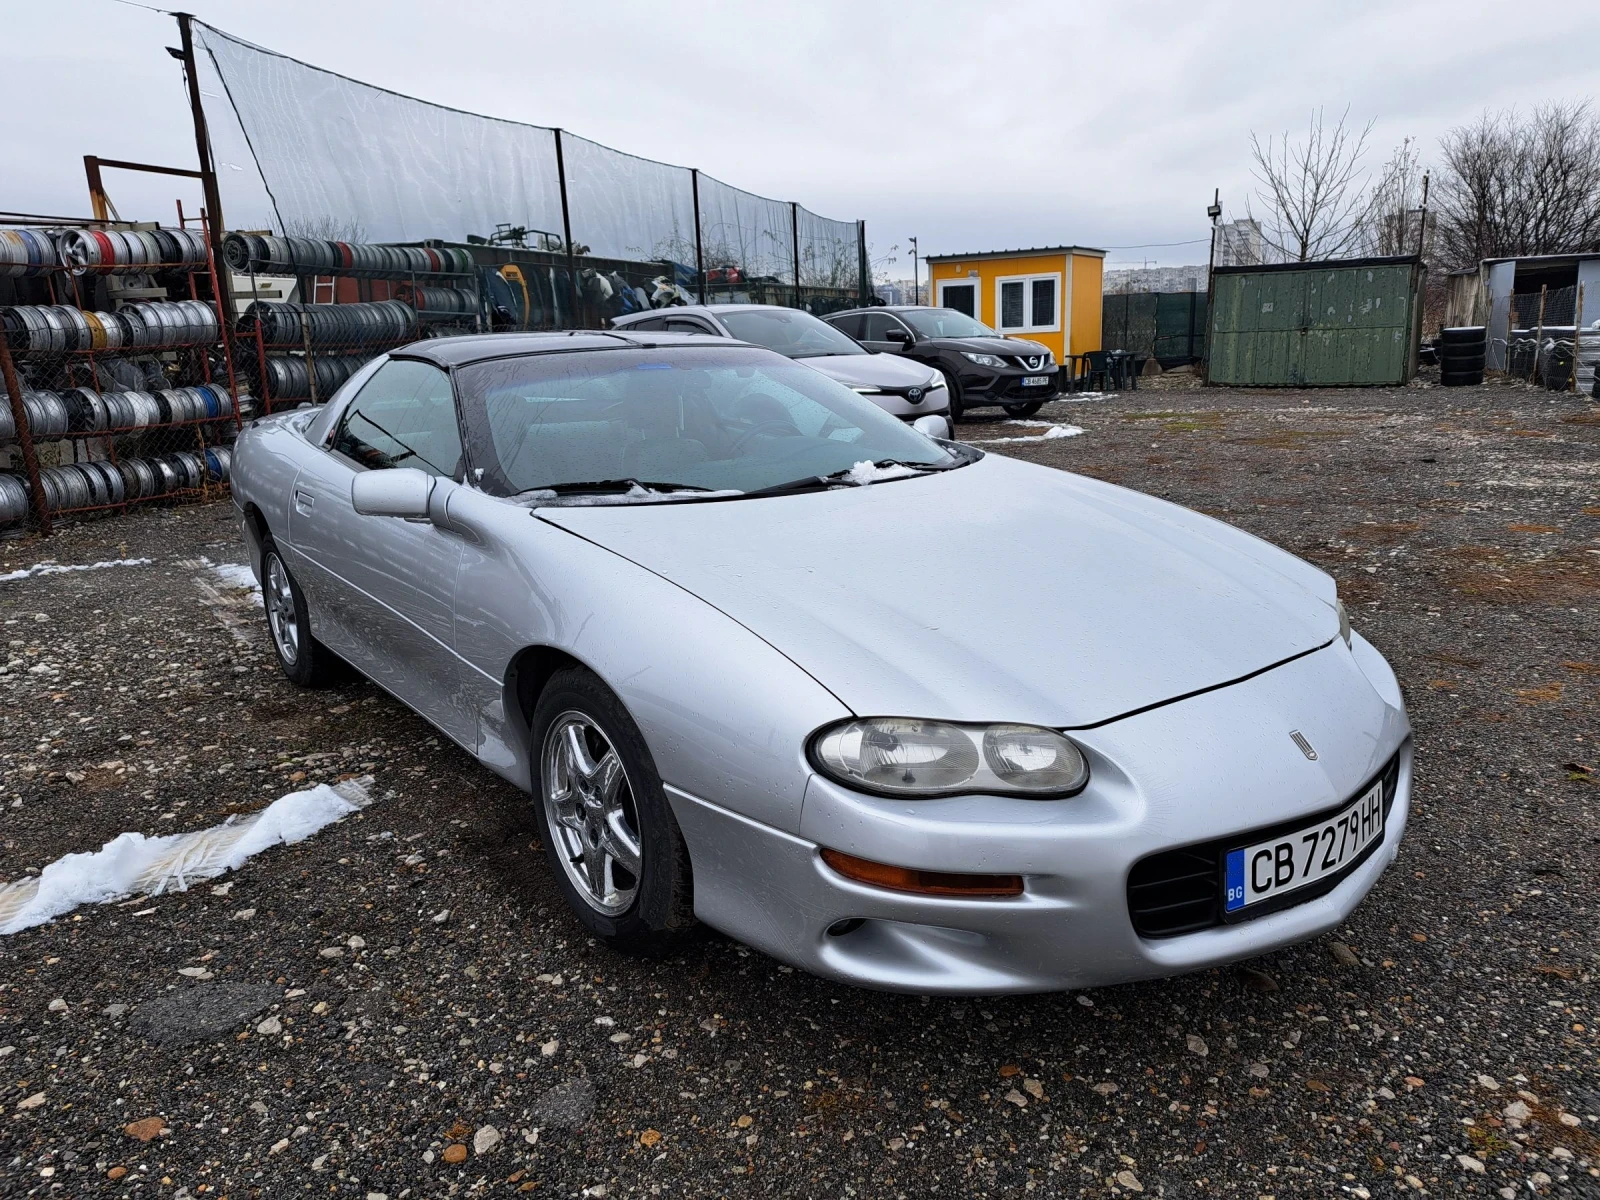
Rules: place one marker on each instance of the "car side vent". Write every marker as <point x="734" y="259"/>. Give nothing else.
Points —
<point x="1174" y="892"/>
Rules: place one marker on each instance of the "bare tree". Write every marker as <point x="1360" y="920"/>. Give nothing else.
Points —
<point x="327" y="228"/>
<point x="1513" y="185"/>
<point x="1394" y="209"/>
<point x="1312" y="192"/>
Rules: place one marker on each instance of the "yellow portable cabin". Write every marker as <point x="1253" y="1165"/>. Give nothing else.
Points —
<point x="1050" y="296"/>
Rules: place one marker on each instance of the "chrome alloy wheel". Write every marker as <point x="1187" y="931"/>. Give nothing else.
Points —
<point x="279" y="598"/>
<point x="591" y="812"/>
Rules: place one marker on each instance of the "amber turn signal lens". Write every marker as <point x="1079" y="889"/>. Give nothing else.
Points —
<point x="922" y="883"/>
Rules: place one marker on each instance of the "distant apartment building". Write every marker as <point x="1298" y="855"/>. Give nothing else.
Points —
<point x="1155" y="279"/>
<point x="1240" y="244"/>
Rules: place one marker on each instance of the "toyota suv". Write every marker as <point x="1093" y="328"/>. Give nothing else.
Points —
<point x="982" y="367"/>
<point x="906" y="389"/>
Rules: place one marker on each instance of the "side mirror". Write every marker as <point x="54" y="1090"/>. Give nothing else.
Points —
<point x="397" y="492"/>
<point x="896" y="334"/>
<point x="933" y="426"/>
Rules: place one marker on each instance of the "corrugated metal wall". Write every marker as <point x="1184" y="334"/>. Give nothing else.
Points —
<point x="1349" y="323"/>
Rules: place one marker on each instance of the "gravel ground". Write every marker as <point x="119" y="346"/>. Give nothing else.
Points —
<point x="402" y="1006"/>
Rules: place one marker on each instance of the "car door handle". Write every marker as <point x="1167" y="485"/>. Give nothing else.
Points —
<point x="304" y="501"/>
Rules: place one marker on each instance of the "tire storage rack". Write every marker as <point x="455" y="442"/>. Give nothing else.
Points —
<point x="116" y="380"/>
<point x="378" y="297"/>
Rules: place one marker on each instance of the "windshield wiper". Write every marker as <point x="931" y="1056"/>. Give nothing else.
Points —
<point x="811" y="483"/>
<point x="612" y="485"/>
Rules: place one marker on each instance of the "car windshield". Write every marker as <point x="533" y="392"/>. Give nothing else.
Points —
<point x="726" y="420"/>
<point x="789" y="331"/>
<point x="945" y="323"/>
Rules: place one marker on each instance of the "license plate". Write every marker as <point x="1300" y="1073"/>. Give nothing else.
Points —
<point x="1295" y="860"/>
<point x="1035" y="380"/>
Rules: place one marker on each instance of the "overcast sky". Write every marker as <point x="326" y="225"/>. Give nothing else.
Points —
<point x="973" y="126"/>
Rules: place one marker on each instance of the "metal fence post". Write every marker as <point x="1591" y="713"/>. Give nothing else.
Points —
<point x="699" y="249"/>
<point x="1538" y="338"/>
<point x="794" y="222"/>
<point x="208" y="173"/>
<point x="566" y="229"/>
<point x="863" y="267"/>
<point x="19" y="419"/>
<point x="1577" y="336"/>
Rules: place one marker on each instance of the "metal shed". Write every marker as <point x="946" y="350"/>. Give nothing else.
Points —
<point x="1341" y="323"/>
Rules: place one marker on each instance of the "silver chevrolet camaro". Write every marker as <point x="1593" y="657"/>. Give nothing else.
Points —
<point x="883" y="706"/>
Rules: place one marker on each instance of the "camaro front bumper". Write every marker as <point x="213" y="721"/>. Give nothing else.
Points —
<point x="1071" y="926"/>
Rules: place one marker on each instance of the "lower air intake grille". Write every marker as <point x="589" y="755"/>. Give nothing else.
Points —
<point x="1180" y="891"/>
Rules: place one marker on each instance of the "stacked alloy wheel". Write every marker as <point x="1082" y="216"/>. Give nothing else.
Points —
<point x="110" y="251"/>
<point x="27" y="252"/>
<point x="152" y="324"/>
<point x="1461" y="355"/>
<point x="103" y="483"/>
<point x="13" y="500"/>
<point x="285" y="323"/>
<point x="264" y="254"/>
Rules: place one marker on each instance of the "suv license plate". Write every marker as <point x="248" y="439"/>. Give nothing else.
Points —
<point x="1295" y="860"/>
<point x="1035" y="380"/>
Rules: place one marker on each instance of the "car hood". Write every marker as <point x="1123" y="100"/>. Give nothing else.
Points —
<point x="981" y="345"/>
<point x="871" y="370"/>
<point x="1000" y="591"/>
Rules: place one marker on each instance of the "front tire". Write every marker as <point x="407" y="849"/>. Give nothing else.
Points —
<point x="1024" y="410"/>
<point x="617" y="853"/>
<point x="957" y="409"/>
<point x="306" y="661"/>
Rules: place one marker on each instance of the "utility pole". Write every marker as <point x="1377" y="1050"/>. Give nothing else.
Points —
<point x="916" y="287"/>
<point x="1214" y="211"/>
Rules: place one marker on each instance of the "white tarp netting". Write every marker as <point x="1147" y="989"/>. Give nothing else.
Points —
<point x="307" y="152"/>
<point x="335" y="158"/>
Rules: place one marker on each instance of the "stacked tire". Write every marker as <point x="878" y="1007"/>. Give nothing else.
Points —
<point x="1461" y="355"/>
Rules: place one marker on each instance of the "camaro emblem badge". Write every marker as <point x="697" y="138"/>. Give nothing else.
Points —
<point x="1306" y="747"/>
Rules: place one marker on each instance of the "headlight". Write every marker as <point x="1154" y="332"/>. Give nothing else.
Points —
<point x="937" y="381"/>
<point x="867" y="391"/>
<point x="906" y="756"/>
<point x="1345" y="631"/>
<point x="986" y="360"/>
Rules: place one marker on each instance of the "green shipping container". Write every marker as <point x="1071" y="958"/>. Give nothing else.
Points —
<point x="1343" y="323"/>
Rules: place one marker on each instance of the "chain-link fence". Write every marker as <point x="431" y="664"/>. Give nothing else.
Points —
<point x="592" y="232"/>
<point x="116" y="387"/>
<point x="312" y="311"/>
<point x="1545" y="343"/>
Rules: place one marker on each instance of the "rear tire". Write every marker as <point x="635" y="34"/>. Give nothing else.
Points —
<point x="1024" y="410"/>
<point x="614" y="847"/>
<point x="306" y="661"/>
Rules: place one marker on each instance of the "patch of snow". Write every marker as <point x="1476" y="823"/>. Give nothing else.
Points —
<point x="237" y="576"/>
<point x="1049" y="435"/>
<point x="866" y="471"/>
<point x="50" y="568"/>
<point x="132" y="864"/>
<point x="1080" y="397"/>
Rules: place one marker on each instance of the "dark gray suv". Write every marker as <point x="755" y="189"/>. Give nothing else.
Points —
<point x="982" y="367"/>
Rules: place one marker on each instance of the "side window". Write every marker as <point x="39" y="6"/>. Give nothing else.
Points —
<point x="849" y="324"/>
<point x="877" y="327"/>
<point x="404" y="417"/>
<point x="686" y="325"/>
<point x="649" y="323"/>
